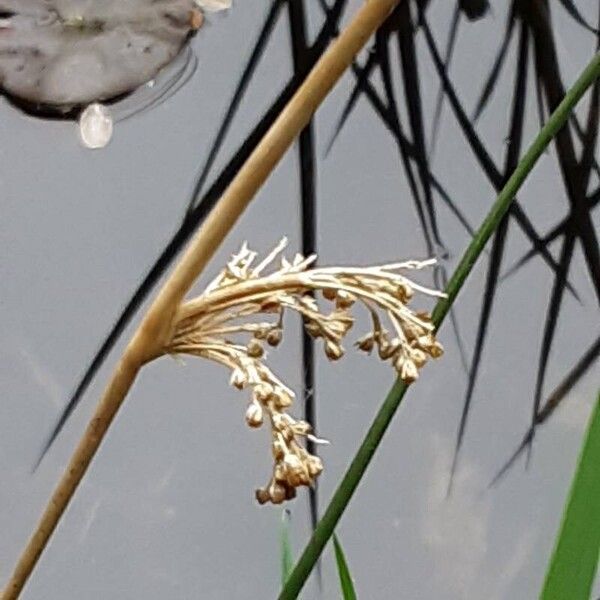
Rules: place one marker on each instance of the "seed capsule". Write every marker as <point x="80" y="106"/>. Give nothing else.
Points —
<point x="366" y="343"/>
<point x="277" y="493"/>
<point x="315" y="466"/>
<point x="436" y="350"/>
<point x="254" y="414"/>
<point x="274" y="337"/>
<point x="329" y="294"/>
<point x="344" y="299"/>
<point x="333" y="351"/>
<point x="238" y="379"/>
<point x="255" y="349"/>
<point x="418" y="357"/>
<point x="262" y="495"/>
<point x="409" y="372"/>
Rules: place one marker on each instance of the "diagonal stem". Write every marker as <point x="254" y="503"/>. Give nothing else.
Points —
<point x="367" y="449"/>
<point x="156" y="326"/>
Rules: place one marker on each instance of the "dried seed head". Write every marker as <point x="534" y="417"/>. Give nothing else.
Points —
<point x="232" y="305"/>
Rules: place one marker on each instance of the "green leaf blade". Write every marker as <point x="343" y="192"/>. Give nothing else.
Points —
<point x="572" y="568"/>
<point x="346" y="582"/>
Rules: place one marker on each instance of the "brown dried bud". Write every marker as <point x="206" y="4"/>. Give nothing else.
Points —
<point x="315" y="465"/>
<point x="279" y="449"/>
<point x="301" y="428"/>
<point x="277" y="493"/>
<point x="404" y="292"/>
<point x="333" y="351"/>
<point x="313" y="329"/>
<point x="423" y="315"/>
<point x="366" y="343"/>
<point x="263" y="391"/>
<point x="436" y="350"/>
<point x="388" y="350"/>
<point x="261" y="333"/>
<point x="418" y="357"/>
<point x="238" y="379"/>
<point x="262" y="495"/>
<point x="399" y="362"/>
<point x="254" y="414"/>
<point x="344" y="299"/>
<point x="255" y="349"/>
<point x="279" y="473"/>
<point x="270" y="306"/>
<point x="274" y="337"/>
<point x="409" y="372"/>
<point x="282" y="421"/>
<point x="281" y="398"/>
<point x="329" y="294"/>
<point x="295" y="470"/>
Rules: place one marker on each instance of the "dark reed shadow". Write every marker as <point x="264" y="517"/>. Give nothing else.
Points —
<point x="535" y="36"/>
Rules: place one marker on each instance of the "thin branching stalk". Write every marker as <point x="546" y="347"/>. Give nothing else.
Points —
<point x="367" y="449"/>
<point x="156" y="327"/>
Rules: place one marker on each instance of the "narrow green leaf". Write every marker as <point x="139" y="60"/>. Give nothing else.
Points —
<point x="383" y="418"/>
<point x="287" y="557"/>
<point x="346" y="584"/>
<point x="573" y="565"/>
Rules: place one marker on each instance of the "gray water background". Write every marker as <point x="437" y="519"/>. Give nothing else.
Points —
<point x="166" y="509"/>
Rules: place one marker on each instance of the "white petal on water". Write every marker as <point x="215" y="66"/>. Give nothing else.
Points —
<point x="214" y="5"/>
<point x="95" y="126"/>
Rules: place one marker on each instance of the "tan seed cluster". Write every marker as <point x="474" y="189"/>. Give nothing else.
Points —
<point x="235" y="304"/>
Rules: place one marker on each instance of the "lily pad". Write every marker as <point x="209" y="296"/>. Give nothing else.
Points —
<point x="60" y="55"/>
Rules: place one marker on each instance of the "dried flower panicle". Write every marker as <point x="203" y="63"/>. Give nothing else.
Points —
<point x="240" y="315"/>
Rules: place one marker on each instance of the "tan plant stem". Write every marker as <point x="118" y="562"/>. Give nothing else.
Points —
<point x="156" y="327"/>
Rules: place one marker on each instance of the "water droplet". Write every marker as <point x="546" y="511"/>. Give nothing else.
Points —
<point x="95" y="126"/>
